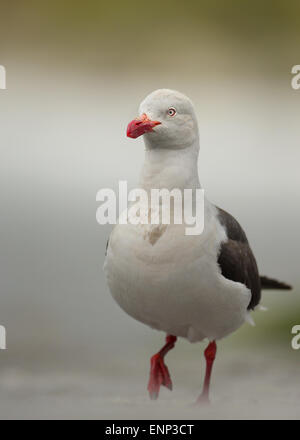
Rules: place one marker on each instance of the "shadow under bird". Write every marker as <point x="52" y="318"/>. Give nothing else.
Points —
<point x="191" y="286"/>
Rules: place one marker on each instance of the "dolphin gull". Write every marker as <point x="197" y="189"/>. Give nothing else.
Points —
<point x="191" y="286"/>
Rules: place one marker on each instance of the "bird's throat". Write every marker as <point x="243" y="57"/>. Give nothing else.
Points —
<point x="170" y="169"/>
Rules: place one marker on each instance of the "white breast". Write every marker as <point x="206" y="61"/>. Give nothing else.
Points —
<point x="172" y="282"/>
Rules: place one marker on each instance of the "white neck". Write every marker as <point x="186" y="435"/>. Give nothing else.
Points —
<point x="167" y="168"/>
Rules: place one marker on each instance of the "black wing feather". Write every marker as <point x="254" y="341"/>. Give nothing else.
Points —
<point x="236" y="258"/>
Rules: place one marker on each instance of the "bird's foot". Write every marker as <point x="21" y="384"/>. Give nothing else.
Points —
<point x="159" y="375"/>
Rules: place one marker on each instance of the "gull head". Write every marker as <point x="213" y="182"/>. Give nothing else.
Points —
<point x="166" y="120"/>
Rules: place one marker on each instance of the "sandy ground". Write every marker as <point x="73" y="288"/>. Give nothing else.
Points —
<point x="257" y="385"/>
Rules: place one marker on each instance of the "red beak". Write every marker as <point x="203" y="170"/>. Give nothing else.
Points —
<point x="140" y="125"/>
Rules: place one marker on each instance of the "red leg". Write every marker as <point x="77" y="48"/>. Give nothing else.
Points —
<point x="159" y="373"/>
<point x="210" y="354"/>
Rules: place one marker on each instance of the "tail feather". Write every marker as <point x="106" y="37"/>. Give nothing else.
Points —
<point x="269" y="283"/>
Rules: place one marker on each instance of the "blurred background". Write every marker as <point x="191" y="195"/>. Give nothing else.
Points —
<point x="76" y="73"/>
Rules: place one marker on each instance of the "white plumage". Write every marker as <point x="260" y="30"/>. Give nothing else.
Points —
<point x="156" y="273"/>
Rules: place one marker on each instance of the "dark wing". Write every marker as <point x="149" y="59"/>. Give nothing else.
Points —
<point x="236" y="259"/>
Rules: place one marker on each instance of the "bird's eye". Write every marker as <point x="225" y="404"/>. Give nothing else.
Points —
<point x="171" y="111"/>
